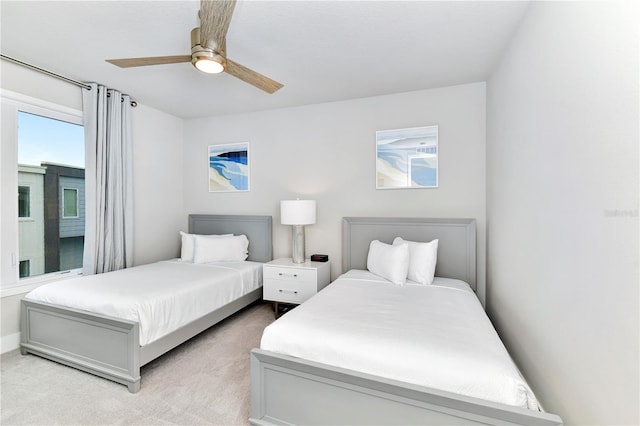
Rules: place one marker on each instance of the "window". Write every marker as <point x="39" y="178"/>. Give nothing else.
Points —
<point x="24" y="201"/>
<point x="50" y="192"/>
<point x="25" y="266"/>
<point x="69" y="203"/>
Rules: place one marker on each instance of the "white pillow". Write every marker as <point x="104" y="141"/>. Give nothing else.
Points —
<point x="188" y="245"/>
<point x="220" y="249"/>
<point x="422" y="260"/>
<point x="388" y="261"/>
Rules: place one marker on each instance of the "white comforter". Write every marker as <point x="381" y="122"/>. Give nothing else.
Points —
<point x="436" y="336"/>
<point x="161" y="296"/>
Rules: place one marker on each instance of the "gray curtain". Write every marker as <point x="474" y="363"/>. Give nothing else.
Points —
<point x="108" y="241"/>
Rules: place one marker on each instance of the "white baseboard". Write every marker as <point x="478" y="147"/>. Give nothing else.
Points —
<point x="10" y="342"/>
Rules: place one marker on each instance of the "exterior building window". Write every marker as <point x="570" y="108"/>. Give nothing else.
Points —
<point x="51" y="192"/>
<point x="24" y="201"/>
<point x="69" y="203"/>
<point x="25" y="268"/>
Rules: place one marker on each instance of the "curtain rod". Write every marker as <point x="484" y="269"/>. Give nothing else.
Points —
<point x="52" y="74"/>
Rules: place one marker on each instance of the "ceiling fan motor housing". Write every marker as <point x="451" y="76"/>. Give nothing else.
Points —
<point x="201" y="53"/>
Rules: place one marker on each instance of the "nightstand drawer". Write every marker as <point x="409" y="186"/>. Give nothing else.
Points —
<point x="288" y="291"/>
<point x="290" y="274"/>
<point x="286" y="282"/>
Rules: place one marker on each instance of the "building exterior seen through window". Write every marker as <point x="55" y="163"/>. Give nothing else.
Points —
<point x="51" y="195"/>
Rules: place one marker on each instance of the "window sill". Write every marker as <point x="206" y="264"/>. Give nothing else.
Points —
<point x="25" y="285"/>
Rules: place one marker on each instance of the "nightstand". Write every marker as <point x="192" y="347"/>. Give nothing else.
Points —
<point x="286" y="282"/>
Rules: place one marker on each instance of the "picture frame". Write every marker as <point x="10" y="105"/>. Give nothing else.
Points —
<point x="407" y="158"/>
<point x="229" y="167"/>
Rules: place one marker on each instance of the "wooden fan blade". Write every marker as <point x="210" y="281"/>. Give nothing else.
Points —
<point x="215" y="17"/>
<point x="143" y="62"/>
<point x="252" y="77"/>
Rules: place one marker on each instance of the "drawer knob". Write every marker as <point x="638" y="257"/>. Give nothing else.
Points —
<point x="287" y="275"/>
<point x="288" y="291"/>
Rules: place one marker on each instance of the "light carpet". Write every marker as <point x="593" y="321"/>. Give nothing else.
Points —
<point x="203" y="381"/>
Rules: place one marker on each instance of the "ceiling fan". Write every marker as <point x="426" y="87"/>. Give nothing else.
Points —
<point x="209" y="48"/>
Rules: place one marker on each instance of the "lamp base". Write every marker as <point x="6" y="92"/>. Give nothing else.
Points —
<point x="297" y="243"/>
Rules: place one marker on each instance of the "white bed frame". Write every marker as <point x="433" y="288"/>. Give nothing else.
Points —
<point x="289" y="390"/>
<point x="110" y="347"/>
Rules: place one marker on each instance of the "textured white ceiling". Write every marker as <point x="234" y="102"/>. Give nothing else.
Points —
<point x="320" y="50"/>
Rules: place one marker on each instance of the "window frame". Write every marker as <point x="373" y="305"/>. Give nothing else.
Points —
<point x="63" y="203"/>
<point x="12" y="103"/>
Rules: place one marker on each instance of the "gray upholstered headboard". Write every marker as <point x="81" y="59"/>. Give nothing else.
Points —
<point x="256" y="228"/>
<point x="456" y="245"/>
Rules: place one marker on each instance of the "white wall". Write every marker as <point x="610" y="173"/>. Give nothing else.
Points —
<point x="562" y="207"/>
<point x="158" y="181"/>
<point x="157" y="184"/>
<point x="326" y="152"/>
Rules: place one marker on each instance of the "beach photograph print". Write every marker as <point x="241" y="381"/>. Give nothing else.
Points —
<point x="229" y="167"/>
<point x="407" y="158"/>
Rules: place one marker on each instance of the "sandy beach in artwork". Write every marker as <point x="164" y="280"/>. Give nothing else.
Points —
<point x="389" y="176"/>
<point x="217" y="182"/>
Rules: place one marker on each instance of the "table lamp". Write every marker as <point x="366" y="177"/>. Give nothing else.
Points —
<point x="298" y="213"/>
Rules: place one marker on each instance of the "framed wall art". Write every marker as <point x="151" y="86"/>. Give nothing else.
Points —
<point x="407" y="158"/>
<point x="229" y="167"/>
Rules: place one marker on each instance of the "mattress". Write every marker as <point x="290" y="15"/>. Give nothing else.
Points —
<point x="161" y="296"/>
<point x="436" y="336"/>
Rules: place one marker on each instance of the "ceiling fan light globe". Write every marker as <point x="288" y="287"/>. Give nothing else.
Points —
<point x="208" y="65"/>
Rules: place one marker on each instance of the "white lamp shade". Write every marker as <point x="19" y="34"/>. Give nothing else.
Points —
<point x="298" y="212"/>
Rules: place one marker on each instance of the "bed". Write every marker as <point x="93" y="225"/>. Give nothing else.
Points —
<point x="113" y="344"/>
<point x="298" y="379"/>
